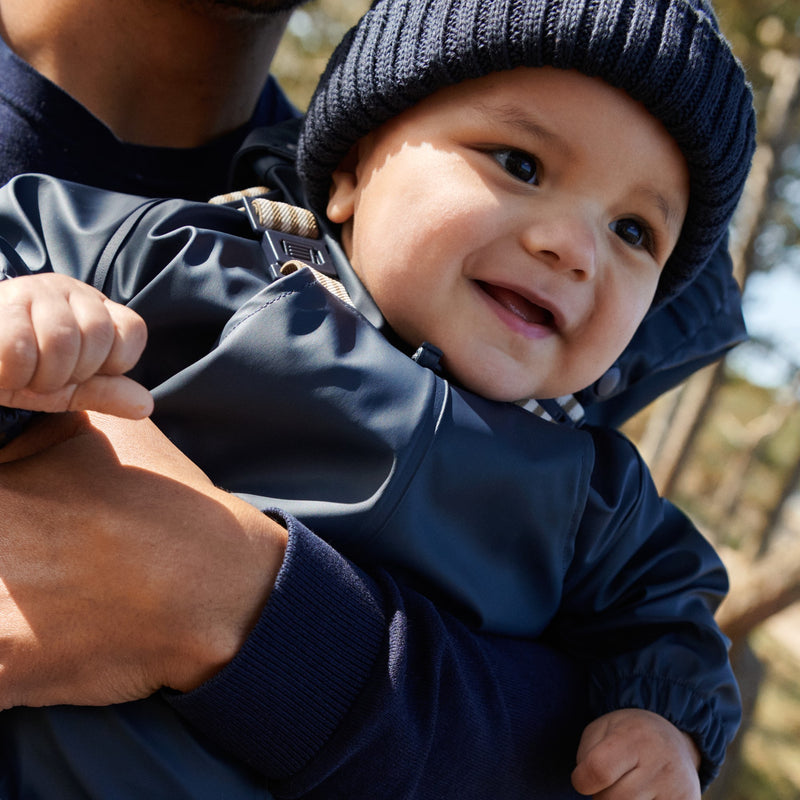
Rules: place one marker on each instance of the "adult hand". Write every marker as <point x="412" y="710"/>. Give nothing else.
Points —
<point x="123" y="568"/>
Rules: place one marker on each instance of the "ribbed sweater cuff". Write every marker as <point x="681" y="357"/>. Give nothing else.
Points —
<point x="310" y="654"/>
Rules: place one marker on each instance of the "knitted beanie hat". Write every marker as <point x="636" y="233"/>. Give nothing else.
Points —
<point x="667" y="54"/>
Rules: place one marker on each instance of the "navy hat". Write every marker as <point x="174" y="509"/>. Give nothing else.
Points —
<point x="667" y="54"/>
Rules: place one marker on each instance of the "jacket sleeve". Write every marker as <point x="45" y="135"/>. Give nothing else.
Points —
<point x="351" y="684"/>
<point x="639" y="601"/>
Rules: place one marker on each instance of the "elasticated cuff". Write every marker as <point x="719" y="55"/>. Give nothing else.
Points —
<point x="712" y="727"/>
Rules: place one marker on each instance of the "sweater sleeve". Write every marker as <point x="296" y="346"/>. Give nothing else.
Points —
<point x="639" y="600"/>
<point x="352" y="681"/>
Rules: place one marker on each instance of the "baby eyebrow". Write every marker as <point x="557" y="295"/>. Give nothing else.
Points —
<point x="669" y="212"/>
<point x="522" y="121"/>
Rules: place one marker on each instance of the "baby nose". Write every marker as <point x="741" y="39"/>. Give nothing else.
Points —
<point x="566" y="241"/>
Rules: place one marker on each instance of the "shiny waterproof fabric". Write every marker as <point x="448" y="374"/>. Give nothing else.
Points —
<point x="289" y="397"/>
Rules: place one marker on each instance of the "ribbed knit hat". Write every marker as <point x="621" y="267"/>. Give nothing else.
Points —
<point x="667" y="54"/>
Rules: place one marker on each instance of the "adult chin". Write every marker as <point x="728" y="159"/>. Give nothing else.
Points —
<point x="244" y="7"/>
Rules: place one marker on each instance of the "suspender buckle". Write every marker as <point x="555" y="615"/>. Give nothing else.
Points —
<point x="287" y="232"/>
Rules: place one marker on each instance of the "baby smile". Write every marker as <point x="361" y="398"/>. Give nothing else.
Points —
<point x="536" y="320"/>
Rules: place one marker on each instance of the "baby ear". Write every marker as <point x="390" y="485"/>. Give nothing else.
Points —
<point x="342" y="195"/>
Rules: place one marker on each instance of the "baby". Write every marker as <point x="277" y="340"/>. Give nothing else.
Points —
<point x="515" y="185"/>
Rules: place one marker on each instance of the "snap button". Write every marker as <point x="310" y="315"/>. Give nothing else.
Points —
<point x="606" y="385"/>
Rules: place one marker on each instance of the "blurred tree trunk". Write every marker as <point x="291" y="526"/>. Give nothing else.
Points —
<point x="775" y="135"/>
<point x="696" y="400"/>
<point x="772" y="522"/>
<point x="772" y="581"/>
<point x="748" y="443"/>
<point x="759" y="589"/>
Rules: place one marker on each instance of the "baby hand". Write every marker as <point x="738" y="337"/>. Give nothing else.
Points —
<point x="64" y="347"/>
<point x="631" y="754"/>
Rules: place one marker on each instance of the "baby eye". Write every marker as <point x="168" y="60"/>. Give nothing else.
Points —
<point x="633" y="232"/>
<point x="521" y="166"/>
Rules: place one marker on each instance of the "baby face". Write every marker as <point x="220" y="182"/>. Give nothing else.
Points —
<point x="519" y="222"/>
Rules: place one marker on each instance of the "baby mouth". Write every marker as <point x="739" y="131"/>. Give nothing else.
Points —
<point x="519" y="306"/>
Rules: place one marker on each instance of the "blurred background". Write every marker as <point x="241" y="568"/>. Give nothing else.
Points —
<point x="726" y="445"/>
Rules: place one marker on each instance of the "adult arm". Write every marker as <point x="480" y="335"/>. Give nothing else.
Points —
<point x="96" y="522"/>
<point x="341" y="676"/>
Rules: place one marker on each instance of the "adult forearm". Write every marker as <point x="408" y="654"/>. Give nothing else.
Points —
<point x="123" y="568"/>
